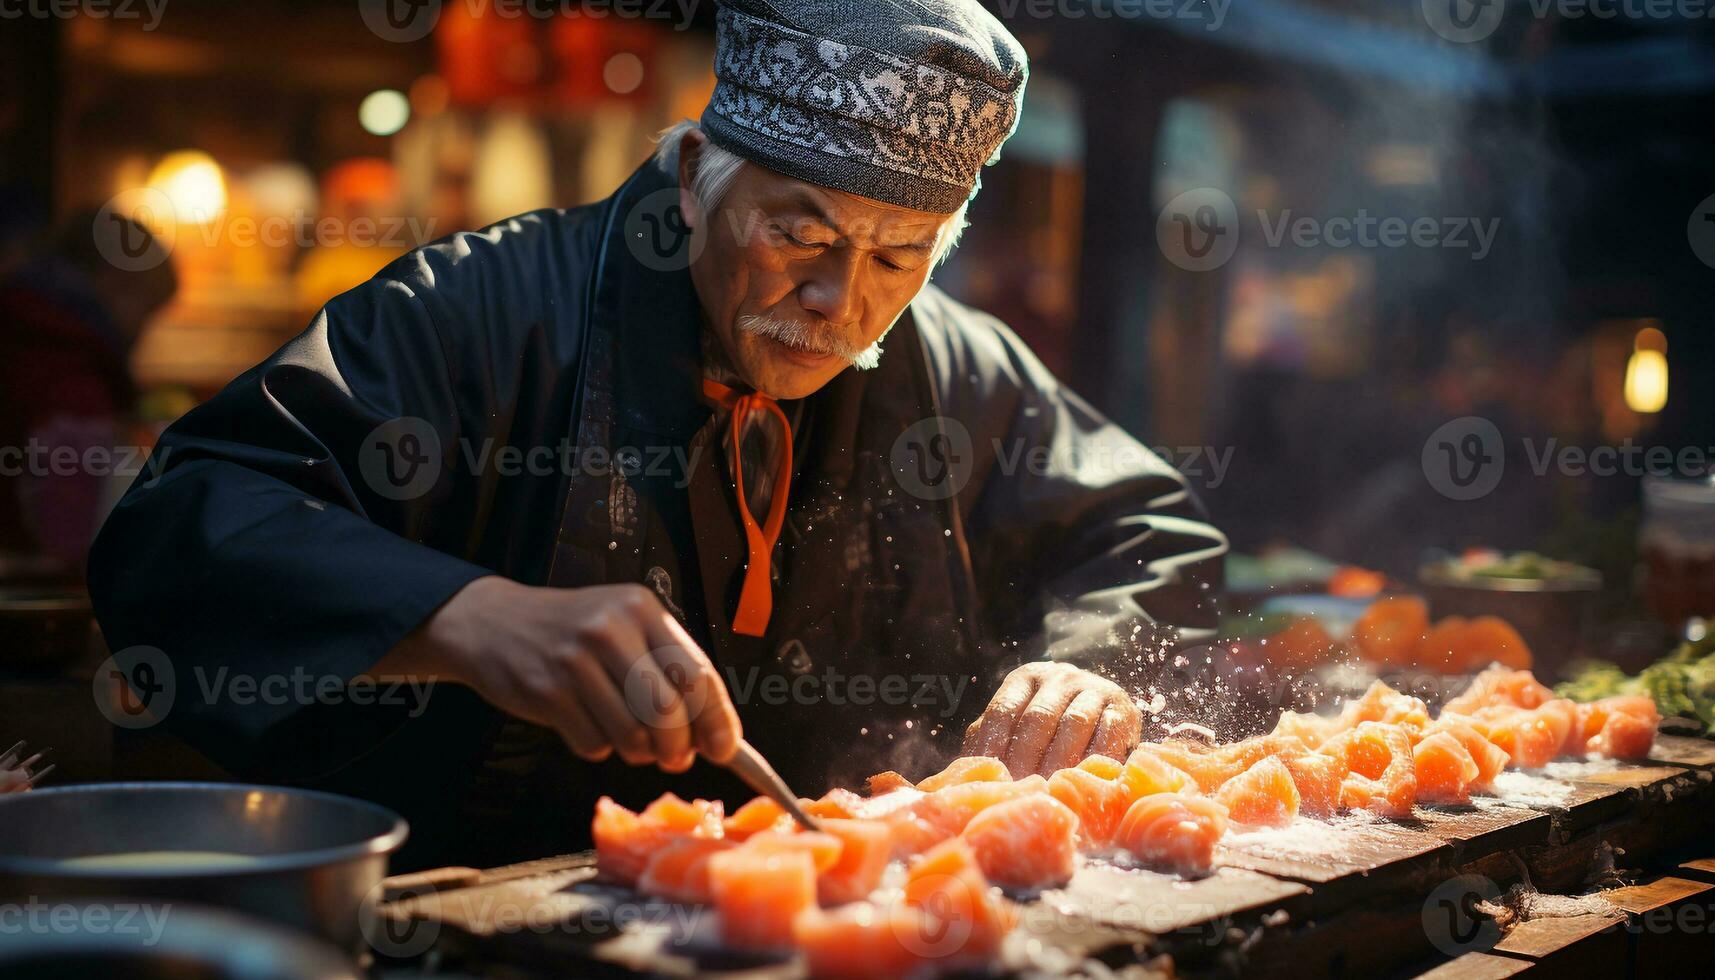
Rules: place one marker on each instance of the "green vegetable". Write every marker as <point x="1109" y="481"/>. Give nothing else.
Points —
<point x="1681" y="684"/>
<point x="1592" y="680"/>
<point x="1666" y="683"/>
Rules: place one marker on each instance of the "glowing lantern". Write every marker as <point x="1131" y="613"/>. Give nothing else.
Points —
<point x="1646" y="372"/>
<point x="194" y="184"/>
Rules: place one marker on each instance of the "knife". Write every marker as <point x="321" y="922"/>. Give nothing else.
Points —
<point x="749" y="765"/>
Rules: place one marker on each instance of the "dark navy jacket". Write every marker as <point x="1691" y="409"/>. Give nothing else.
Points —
<point x="523" y="400"/>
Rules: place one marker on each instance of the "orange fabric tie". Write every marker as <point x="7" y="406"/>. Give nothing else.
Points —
<point x="756" y="598"/>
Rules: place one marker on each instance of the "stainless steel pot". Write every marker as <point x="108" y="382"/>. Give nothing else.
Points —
<point x="308" y="859"/>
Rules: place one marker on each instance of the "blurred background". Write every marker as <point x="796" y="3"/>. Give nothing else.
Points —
<point x="183" y="184"/>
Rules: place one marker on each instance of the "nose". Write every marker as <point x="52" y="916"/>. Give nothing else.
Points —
<point x="833" y="288"/>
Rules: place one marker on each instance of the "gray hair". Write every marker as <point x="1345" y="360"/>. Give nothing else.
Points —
<point x="717" y="168"/>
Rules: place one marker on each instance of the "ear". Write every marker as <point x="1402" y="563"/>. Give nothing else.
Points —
<point x="690" y="157"/>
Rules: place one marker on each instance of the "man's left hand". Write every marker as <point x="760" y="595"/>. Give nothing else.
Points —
<point x="1048" y="716"/>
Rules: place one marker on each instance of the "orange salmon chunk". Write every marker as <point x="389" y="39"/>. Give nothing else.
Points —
<point x="759" y="893"/>
<point x="1029" y="842"/>
<point x="867" y="846"/>
<point x="1262" y="796"/>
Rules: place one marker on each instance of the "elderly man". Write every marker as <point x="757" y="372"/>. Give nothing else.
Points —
<point x="641" y="475"/>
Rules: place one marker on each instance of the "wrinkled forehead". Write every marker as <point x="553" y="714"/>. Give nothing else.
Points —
<point x="860" y="220"/>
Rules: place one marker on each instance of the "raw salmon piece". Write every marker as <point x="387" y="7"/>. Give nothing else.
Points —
<point x="1248" y="752"/>
<point x="1311" y="729"/>
<point x="1495" y="686"/>
<point x="1208" y="772"/>
<point x="625" y="841"/>
<point x="1487" y="639"/>
<point x="1365" y="751"/>
<point x="1624" y="736"/>
<point x="679" y="872"/>
<point x="754" y="817"/>
<point x="863" y="941"/>
<point x="1263" y="795"/>
<point x="1318" y="779"/>
<point x="1390" y="792"/>
<point x="968" y="769"/>
<point x="1173" y="832"/>
<point x="1302" y="643"/>
<point x="886" y="782"/>
<point x="1145" y="773"/>
<point x="866" y="847"/>
<point x="952" y="807"/>
<point x="1028" y="842"/>
<point x="1445" y="770"/>
<point x="839" y="803"/>
<point x="1386" y="706"/>
<point x="1443" y="648"/>
<point x="911" y="834"/>
<point x="887" y="804"/>
<point x="759" y="892"/>
<point x="699" y="817"/>
<point x="971" y="917"/>
<point x="1099" y="803"/>
<point x="1560" y="716"/>
<point x="1528" y="739"/>
<point x="1488" y="756"/>
<point x="1104" y="766"/>
<point x="824" y="849"/>
<point x="1593" y="716"/>
<point x="1389" y="630"/>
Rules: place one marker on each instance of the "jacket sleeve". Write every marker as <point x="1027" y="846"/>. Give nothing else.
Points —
<point x="296" y="527"/>
<point x="1086" y="545"/>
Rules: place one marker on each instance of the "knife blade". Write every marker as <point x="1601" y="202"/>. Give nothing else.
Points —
<point x="749" y="765"/>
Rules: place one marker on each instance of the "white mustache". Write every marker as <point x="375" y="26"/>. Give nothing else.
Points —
<point x="801" y="335"/>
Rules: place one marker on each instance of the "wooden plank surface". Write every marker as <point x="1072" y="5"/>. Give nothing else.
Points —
<point x="1317" y="899"/>
<point x="1542" y="938"/>
<point x="1147" y="903"/>
<point x="1684" y="751"/>
<point x="1489" y="828"/>
<point x="1475" y="966"/>
<point x="1322" y="853"/>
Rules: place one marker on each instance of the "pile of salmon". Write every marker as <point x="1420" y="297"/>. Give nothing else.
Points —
<point x="912" y="877"/>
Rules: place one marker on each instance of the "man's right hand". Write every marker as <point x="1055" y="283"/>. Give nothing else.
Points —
<point x="606" y="666"/>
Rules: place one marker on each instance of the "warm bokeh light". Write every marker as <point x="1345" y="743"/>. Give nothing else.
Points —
<point x="384" y="112"/>
<point x="1646" y="372"/>
<point x="194" y="184"/>
<point x="622" y="73"/>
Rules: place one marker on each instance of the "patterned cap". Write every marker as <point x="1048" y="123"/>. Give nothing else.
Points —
<point x="902" y="101"/>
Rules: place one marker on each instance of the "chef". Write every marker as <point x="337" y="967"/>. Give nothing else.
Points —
<point x="709" y="459"/>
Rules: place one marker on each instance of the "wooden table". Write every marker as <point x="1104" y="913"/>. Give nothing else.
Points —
<point x="1355" y="897"/>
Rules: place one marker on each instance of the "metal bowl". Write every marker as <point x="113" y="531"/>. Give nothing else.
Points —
<point x="306" y="859"/>
<point x="1554" y="615"/>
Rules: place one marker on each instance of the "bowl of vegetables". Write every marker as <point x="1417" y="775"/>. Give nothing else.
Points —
<point x="1547" y="600"/>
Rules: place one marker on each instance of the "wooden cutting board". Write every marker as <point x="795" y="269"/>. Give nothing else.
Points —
<point x="1343" y="899"/>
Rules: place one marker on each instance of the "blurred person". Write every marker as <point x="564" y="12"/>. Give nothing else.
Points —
<point x="69" y="320"/>
<point x="640" y="476"/>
